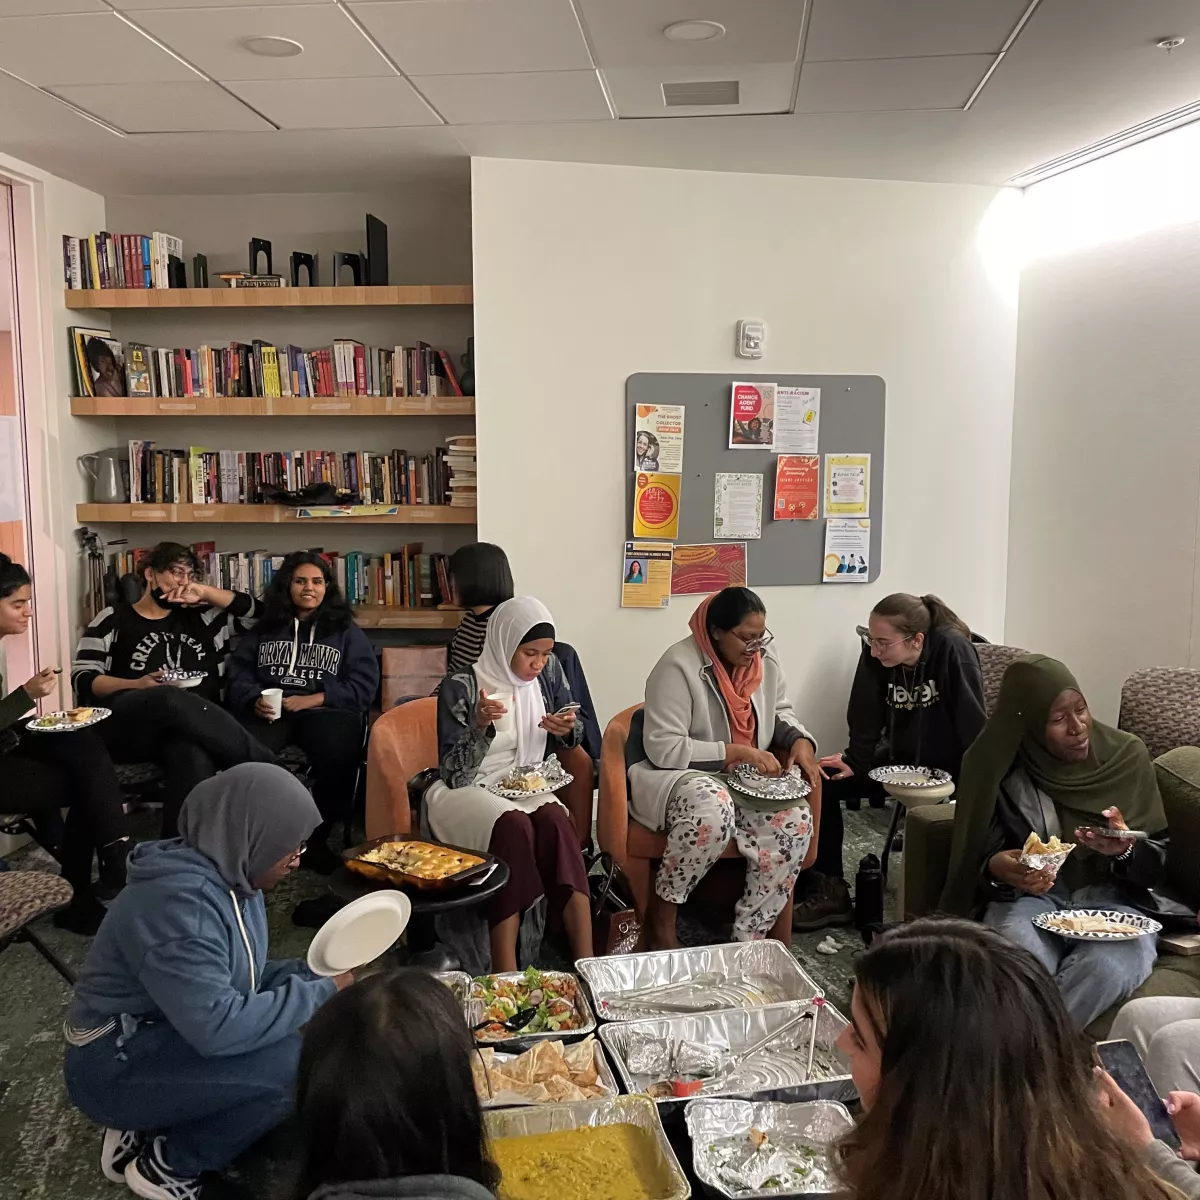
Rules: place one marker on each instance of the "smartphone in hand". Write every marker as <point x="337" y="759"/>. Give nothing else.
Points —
<point x="1129" y="835"/>
<point x="568" y="710"/>
<point x="1120" y="1059"/>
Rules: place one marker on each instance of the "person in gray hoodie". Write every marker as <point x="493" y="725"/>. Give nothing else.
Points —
<point x="385" y="1100"/>
<point x="182" y="1035"/>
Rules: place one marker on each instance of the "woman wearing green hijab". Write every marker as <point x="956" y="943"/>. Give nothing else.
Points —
<point x="1042" y="764"/>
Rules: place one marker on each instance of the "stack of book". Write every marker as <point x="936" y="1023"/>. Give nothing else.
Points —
<point x="463" y="482"/>
<point x="107" y="367"/>
<point x="119" y="260"/>
<point x="199" y="475"/>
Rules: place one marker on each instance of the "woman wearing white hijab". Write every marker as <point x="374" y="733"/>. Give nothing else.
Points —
<point x="501" y="714"/>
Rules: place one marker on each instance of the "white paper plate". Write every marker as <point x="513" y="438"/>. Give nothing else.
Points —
<point x="1142" y="926"/>
<point x="182" y="679"/>
<point x="359" y="933"/>
<point x="909" y="777"/>
<point x="65" y="724"/>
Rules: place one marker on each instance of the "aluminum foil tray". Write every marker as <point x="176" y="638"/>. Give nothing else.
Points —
<point x="621" y="1110"/>
<point x="459" y="982"/>
<point x="522" y="1041"/>
<point x="814" y="1124"/>
<point x="753" y="974"/>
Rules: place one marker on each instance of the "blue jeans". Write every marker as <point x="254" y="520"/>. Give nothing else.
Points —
<point x="210" y="1109"/>
<point x="1092" y="976"/>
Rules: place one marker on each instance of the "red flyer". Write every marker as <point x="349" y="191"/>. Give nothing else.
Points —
<point x="797" y="487"/>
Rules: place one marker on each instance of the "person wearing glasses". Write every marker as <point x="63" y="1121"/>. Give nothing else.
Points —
<point x="714" y="700"/>
<point x="183" y="1038"/>
<point x="917" y="700"/>
<point x="177" y="625"/>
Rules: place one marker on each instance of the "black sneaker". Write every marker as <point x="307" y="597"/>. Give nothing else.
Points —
<point x="82" y="916"/>
<point x="112" y="868"/>
<point x="149" y="1177"/>
<point x="827" y="903"/>
<point x="118" y="1149"/>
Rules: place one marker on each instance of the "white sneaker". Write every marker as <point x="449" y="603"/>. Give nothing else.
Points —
<point x="149" y="1177"/>
<point x="117" y="1150"/>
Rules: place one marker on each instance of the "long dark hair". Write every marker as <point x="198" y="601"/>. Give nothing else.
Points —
<point x="481" y="575"/>
<point x="919" y="614"/>
<point x="730" y="607"/>
<point x="12" y="576"/>
<point x="986" y="1088"/>
<point x="384" y="1087"/>
<point x="334" y="614"/>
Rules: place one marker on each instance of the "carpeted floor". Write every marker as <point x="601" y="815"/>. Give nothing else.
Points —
<point x="48" y="1151"/>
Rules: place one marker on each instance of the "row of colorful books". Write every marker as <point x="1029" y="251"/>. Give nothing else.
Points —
<point x="198" y="475"/>
<point x="105" y="366"/>
<point x="120" y="260"/>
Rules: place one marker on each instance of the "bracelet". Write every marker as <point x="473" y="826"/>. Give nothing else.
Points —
<point x="1125" y="854"/>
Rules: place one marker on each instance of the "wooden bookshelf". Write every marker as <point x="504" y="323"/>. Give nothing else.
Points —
<point x="380" y="616"/>
<point x="264" y="406"/>
<point x="280" y="297"/>
<point x="260" y="514"/>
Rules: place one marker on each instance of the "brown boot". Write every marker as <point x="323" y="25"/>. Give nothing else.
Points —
<point x="827" y="903"/>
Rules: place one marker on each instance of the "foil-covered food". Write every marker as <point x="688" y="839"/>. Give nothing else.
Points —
<point x="1045" y="856"/>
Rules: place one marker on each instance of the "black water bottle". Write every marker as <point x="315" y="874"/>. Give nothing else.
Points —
<point x="868" y="893"/>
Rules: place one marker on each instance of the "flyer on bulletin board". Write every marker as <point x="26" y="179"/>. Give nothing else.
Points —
<point x="658" y="438"/>
<point x="737" y="505"/>
<point x="752" y="416"/>
<point x="797" y="420"/>
<point x="656" y="506"/>
<point x="699" y="570"/>
<point x="847" y="551"/>
<point x="646" y="575"/>
<point x="797" y="487"/>
<point x="847" y="485"/>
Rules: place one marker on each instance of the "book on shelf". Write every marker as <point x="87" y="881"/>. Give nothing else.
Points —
<point x="242" y="279"/>
<point x="461" y="464"/>
<point x="119" y="260"/>
<point x="99" y="362"/>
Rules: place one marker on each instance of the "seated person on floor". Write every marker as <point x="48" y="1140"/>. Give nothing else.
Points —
<point x="183" y="1038"/>
<point x="917" y="700"/>
<point x="385" y="1101"/>
<point x="1043" y="765"/>
<point x="505" y="713"/>
<point x="714" y="700"/>
<point x="41" y="774"/>
<point x="307" y="646"/>
<point x="178" y="625"/>
<point x="972" y="1080"/>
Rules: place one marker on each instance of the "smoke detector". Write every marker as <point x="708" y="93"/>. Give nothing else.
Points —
<point x="269" y="46"/>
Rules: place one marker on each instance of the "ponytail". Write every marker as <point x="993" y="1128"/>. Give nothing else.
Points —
<point x="919" y="614"/>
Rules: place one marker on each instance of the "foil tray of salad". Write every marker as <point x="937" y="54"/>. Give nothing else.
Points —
<point x="560" y="1007"/>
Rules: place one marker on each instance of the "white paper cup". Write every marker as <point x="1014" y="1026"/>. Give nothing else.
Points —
<point x="274" y="697"/>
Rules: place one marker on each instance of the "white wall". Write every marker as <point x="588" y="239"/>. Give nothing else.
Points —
<point x="586" y="274"/>
<point x="1106" y="442"/>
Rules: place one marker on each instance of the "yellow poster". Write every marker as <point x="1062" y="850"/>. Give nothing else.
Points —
<point x="646" y="575"/>
<point x="656" y="506"/>
<point x="847" y="485"/>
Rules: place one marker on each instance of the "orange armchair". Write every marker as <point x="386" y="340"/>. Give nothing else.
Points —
<point x="403" y="744"/>
<point x="635" y="848"/>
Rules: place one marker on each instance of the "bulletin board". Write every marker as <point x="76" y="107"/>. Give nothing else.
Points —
<point x="789" y="553"/>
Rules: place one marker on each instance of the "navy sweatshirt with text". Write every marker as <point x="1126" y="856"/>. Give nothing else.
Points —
<point x="301" y="661"/>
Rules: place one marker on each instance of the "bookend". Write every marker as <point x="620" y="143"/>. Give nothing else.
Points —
<point x="308" y="262"/>
<point x="260" y="246"/>
<point x="176" y="272"/>
<point x="200" y="271"/>
<point x="343" y="259"/>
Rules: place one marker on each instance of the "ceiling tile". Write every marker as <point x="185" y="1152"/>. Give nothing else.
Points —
<point x="89" y="48"/>
<point x="41" y="8"/>
<point x="132" y="6"/>
<point x="855" y="29"/>
<point x="376" y="103"/>
<point x="477" y="37"/>
<point x="762" y="88"/>
<point x="210" y="37"/>
<point x="164" y="107"/>
<point x="629" y="33"/>
<point x="531" y="97"/>
<point x="890" y="84"/>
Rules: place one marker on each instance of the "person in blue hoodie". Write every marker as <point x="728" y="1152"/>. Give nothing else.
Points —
<point x="307" y="645"/>
<point x="182" y="1037"/>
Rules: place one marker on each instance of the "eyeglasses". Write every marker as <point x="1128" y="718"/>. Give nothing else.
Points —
<point x="295" y="854"/>
<point x="183" y="574"/>
<point x="878" y="643"/>
<point x="755" y="644"/>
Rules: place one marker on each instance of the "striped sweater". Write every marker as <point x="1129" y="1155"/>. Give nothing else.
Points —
<point x="122" y="643"/>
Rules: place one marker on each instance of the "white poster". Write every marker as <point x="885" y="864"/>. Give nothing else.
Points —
<point x="847" y="551"/>
<point x="797" y="420"/>
<point x="658" y="438"/>
<point x="737" y="507"/>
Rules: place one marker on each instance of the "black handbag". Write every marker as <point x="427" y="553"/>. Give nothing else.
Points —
<point x="616" y="928"/>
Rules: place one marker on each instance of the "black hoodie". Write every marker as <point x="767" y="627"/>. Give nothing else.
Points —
<point x="925" y="715"/>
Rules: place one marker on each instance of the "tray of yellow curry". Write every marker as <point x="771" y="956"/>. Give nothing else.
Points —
<point x="596" y="1150"/>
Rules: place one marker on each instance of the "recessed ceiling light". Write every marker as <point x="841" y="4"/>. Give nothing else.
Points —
<point x="1171" y="43"/>
<point x="272" y="47"/>
<point x="694" y="31"/>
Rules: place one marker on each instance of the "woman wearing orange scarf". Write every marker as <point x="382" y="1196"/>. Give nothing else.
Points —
<point x="716" y="699"/>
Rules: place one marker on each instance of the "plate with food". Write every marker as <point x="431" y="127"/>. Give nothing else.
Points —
<point x="1096" y="924"/>
<point x="910" y="777"/>
<point x="69" y="720"/>
<point x="413" y="862"/>
<point x="536" y="780"/>
<point x="779" y="791"/>
<point x="175" y="677"/>
<point x="548" y="1073"/>
<point x="528" y="1005"/>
